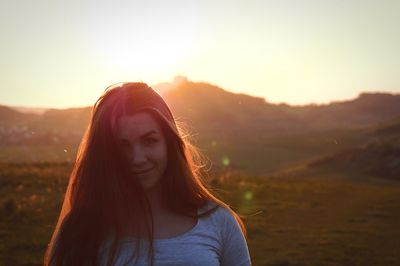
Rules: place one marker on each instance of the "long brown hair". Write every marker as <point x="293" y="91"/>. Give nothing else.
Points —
<point x="100" y="201"/>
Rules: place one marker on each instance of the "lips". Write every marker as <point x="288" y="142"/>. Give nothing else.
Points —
<point x="142" y="171"/>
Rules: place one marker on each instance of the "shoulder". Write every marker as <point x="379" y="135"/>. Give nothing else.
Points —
<point x="222" y="218"/>
<point x="234" y="250"/>
<point x="215" y="211"/>
<point x="223" y="215"/>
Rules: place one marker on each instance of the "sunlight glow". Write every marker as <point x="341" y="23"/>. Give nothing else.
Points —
<point x="149" y="41"/>
<point x="149" y="52"/>
<point x="63" y="54"/>
<point x="225" y="161"/>
<point x="248" y="195"/>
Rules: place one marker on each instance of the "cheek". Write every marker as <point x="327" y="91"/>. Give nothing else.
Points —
<point x="125" y="154"/>
<point x="161" y="153"/>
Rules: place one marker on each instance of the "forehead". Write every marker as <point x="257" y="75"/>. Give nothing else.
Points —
<point x="136" y="125"/>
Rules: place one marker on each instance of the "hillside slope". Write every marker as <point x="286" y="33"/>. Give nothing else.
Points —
<point x="379" y="156"/>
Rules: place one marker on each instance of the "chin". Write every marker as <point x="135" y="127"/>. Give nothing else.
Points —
<point x="151" y="187"/>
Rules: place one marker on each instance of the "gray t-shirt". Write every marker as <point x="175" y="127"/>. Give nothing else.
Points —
<point x="215" y="240"/>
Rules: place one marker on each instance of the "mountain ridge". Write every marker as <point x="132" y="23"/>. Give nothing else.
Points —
<point x="218" y="114"/>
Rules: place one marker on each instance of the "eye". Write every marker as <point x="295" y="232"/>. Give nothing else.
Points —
<point x="123" y="143"/>
<point x="150" y="140"/>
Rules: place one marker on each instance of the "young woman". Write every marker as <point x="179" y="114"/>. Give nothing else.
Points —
<point x="136" y="195"/>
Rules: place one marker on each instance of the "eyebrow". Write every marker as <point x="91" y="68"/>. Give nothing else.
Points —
<point x="149" y="133"/>
<point x="145" y="135"/>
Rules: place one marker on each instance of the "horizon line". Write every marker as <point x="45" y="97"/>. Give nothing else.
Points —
<point x="241" y="93"/>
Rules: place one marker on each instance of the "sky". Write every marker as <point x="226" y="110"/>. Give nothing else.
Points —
<point x="64" y="54"/>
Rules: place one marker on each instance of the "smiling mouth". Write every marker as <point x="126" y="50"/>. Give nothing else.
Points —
<point x="143" y="171"/>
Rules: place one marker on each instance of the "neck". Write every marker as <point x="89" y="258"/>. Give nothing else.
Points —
<point x="157" y="208"/>
<point x="156" y="202"/>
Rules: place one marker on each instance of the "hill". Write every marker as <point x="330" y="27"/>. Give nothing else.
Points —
<point x="379" y="156"/>
<point x="236" y="131"/>
<point x="209" y="108"/>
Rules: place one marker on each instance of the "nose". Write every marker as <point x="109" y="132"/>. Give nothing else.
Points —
<point x="138" y="156"/>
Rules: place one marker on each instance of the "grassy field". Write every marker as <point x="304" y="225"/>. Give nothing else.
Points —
<point x="318" y="218"/>
<point x="256" y="156"/>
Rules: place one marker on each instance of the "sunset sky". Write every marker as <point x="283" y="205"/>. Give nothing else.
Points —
<point x="64" y="53"/>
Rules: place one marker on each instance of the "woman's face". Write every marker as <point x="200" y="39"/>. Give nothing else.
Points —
<point x="143" y="144"/>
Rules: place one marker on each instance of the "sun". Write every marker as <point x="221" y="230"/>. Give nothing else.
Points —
<point x="145" y="51"/>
